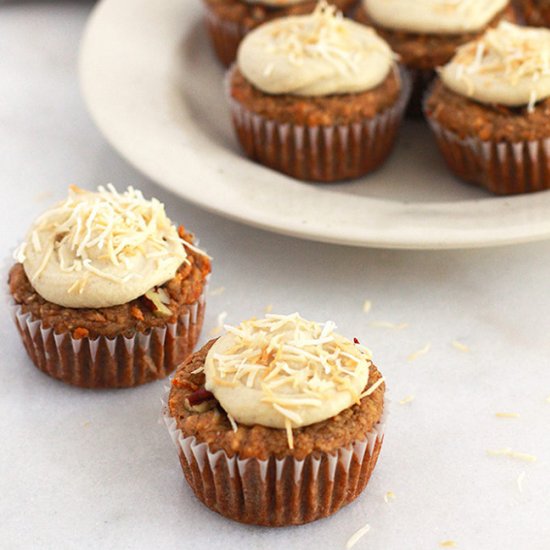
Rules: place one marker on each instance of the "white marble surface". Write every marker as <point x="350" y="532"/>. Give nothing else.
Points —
<point x="83" y="469"/>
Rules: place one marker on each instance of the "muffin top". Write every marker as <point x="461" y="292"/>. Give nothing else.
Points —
<point x="434" y="16"/>
<point x="286" y="372"/>
<point x="101" y="249"/>
<point x="314" y="55"/>
<point x="508" y="65"/>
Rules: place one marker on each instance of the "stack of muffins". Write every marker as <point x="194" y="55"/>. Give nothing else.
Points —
<point x="320" y="97"/>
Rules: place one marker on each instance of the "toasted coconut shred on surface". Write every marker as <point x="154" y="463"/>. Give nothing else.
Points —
<point x="417" y="354"/>
<point x="512" y="454"/>
<point x="354" y="539"/>
<point x="295" y="363"/>
<point x="406" y="400"/>
<point x="507" y="415"/>
<point x="460" y="346"/>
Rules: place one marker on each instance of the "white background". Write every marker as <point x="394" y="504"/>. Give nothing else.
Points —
<point x="85" y="469"/>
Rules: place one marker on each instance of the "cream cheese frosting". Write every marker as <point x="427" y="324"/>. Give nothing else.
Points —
<point x="508" y="65"/>
<point x="285" y="372"/>
<point x="434" y="16"/>
<point x="314" y="55"/>
<point x="101" y="249"/>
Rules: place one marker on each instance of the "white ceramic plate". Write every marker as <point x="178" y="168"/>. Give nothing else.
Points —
<point x="155" y="90"/>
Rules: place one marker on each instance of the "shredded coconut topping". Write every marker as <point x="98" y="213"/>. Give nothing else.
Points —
<point x="107" y="226"/>
<point x="509" y="54"/>
<point x="297" y="366"/>
<point x="321" y="53"/>
<point x="324" y="36"/>
<point x="101" y="249"/>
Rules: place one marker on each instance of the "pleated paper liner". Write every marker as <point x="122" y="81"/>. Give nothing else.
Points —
<point x="225" y="35"/>
<point x="319" y="153"/>
<point x="118" y="362"/>
<point x="277" y="492"/>
<point x="503" y="168"/>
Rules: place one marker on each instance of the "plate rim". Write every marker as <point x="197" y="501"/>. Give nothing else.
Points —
<point x="387" y="240"/>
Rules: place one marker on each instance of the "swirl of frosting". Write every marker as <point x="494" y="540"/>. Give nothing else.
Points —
<point x="434" y="16"/>
<point x="508" y="65"/>
<point x="285" y="372"/>
<point x="101" y="249"/>
<point x="314" y="55"/>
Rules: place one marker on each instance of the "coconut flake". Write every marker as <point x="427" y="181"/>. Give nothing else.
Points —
<point x="354" y="539"/>
<point x="512" y="454"/>
<point x="417" y="354"/>
<point x="460" y="346"/>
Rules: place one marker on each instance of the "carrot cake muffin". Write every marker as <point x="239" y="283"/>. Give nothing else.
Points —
<point x="536" y="12"/>
<point x="279" y="421"/>
<point x="490" y="110"/>
<point x="106" y="291"/>
<point x="425" y="34"/>
<point x="228" y="21"/>
<point x="317" y="97"/>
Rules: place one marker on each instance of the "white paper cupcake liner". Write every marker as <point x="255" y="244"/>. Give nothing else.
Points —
<point x="277" y="492"/>
<point x="319" y="153"/>
<point x="104" y="362"/>
<point x="504" y="168"/>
